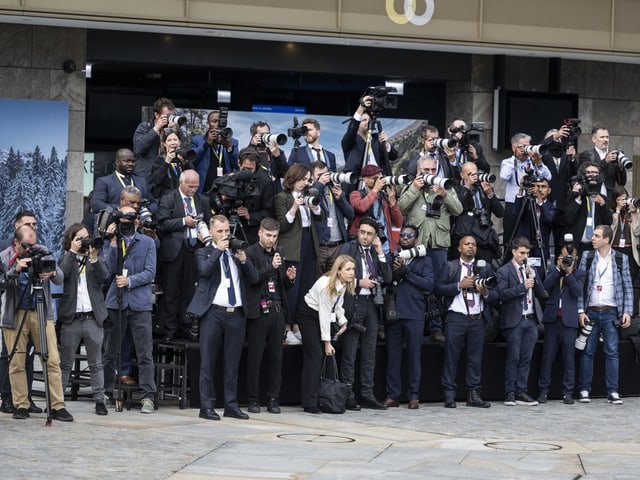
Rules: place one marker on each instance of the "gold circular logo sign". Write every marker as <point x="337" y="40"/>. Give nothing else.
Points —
<point x="409" y="13"/>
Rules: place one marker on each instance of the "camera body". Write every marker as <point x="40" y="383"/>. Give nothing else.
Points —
<point x="480" y="277"/>
<point x="591" y="184"/>
<point x="530" y="177"/>
<point x="380" y="98"/>
<point x="311" y="197"/>
<point x="297" y="130"/>
<point x="378" y="291"/>
<point x="86" y="242"/>
<point x="186" y="153"/>
<point x="568" y="260"/>
<point x="574" y="132"/>
<point x="236" y="244"/>
<point x="434" y="209"/>
<point x="483" y="217"/>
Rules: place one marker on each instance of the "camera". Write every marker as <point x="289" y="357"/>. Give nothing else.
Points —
<point x="433" y="209"/>
<point x="229" y="192"/>
<point x="267" y="138"/>
<point x="568" y="242"/>
<point x="297" y="130"/>
<point x="480" y="276"/>
<point x="486" y="177"/>
<point x="347" y="177"/>
<point x="378" y="291"/>
<point x="177" y="119"/>
<point x="530" y="177"/>
<point x="381" y="233"/>
<point x="145" y="216"/>
<point x="87" y="242"/>
<point x="311" y="197"/>
<point x="568" y="260"/>
<point x="186" y="153"/>
<point x="406" y="254"/>
<point x="38" y="263"/>
<point x="445" y="183"/>
<point x="468" y="138"/>
<point x="223" y="130"/>
<point x="581" y="341"/>
<point x="203" y="231"/>
<point x="591" y="184"/>
<point x="574" y="132"/>
<point x="236" y="244"/>
<point x="380" y="98"/>
<point x="535" y="149"/>
<point x="445" y="142"/>
<point x="632" y="201"/>
<point x="623" y="160"/>
<point x="398" y="179"/>
<point x="483" y="217"/>
<point x="3" y="283"/>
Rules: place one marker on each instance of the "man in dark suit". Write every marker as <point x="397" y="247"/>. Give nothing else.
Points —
<point x="473" y="151"/>
<point x="467" y="312"/>
<point x="517" y="285"/>
<point x="106" y="192"/>
<point x="413" y="278"/>
<point x="565" y="284"/>
<point x="372" y="271"/>
<point x="216" y="155"/>
<point x="613" y="171"/>
<point x="313" y="150"/>
<point x="444" y="167"/>
<point x="221" y="303"/>
<point x="178" y="216"/>
<point x="272" y="160"/>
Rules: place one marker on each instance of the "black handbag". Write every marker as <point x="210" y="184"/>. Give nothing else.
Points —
<point x="333" y="394"/>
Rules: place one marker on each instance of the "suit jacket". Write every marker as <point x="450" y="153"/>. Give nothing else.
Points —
<point x="622" y="283"/>
<point x="210" y="275"/>
<point x="612" y="173"/>
<point x="413" y="282"/>
<point x="203" y="158"/>
<point x="344" y="210"/>
<point x="560" y="178"/>
<point x="265" y="272"/>
<point x="575" y="217"/>
<point x="96" y="275"/>
<point x="166" y="177"/>
<point x="526" y="228"/>
<point x="511" y="293"/>
<point x="291" y="233"/>
<point x="353" y="249"/>
<point x="106" y="192"/>
<point x="171" y="229"/>
<point x="571" y="291"/>
<point x="306" y="156"/>
<point x="146" y="145"/>
<point x="353" y="150"/>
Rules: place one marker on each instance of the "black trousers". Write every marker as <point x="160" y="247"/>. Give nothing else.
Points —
<point x="264" y="342"/>
<point x="312" y="355"/>
<point x="178" y="286"/>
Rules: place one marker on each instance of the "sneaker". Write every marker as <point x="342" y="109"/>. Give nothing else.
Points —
<point x="7" y="407"/>
<point x="584" y="397"/>
<point x="567" y="400"/>
<point x="510" y="401"/>
<point x="21" y="413"/>
<point x="523" y="398"/>
<point x="101" y="409"/>
<point x="147" y="406"/>
<point x="291" y="339"/>
<point x="614" y="398"/>
<point x="61" y="415"/>
<point x="542" y="398"/>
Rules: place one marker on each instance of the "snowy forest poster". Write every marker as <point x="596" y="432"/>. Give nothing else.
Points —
<point x="33" y="166"/>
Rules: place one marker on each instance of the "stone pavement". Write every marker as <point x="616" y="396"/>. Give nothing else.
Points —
<point x="552" y="441"/>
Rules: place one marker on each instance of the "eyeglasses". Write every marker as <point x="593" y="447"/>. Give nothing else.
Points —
<point x="407" y="235"/>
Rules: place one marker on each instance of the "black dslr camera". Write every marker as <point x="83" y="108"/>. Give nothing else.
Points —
<point x="433" y="210"/>
<point x="236" y="244"/>
<point x="87" y="242"/>
<point x="297" y="130"/>
<point x="530" y="177"/>
<point x="482" y="216"/>
<point x="574" y="132"/>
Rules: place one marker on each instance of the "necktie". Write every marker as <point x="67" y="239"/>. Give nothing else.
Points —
<point x="469" y="296"/>
<point x="370" y="265"/>
<point x="189" y="203"/>
<point x="231" y="291"/>
<point x="525" y="301"/>
<point x="318" y="153"/>
<point x="190" y="211"/>
<point x="589" y="227"/>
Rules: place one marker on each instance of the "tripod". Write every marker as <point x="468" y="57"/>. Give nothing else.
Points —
<point x="368" y="153"/>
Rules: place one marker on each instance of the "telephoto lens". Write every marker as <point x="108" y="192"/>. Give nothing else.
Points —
<point x="581" y="341"/>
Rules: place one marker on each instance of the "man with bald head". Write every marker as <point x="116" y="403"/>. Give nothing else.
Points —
<point x="131" y="292"/>
<point x="179" y="211"/>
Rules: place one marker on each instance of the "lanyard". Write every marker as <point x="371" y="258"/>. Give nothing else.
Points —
<point x="119" y="176"/>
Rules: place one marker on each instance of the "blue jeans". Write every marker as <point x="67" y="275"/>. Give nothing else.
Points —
<point x="602" y="322"/>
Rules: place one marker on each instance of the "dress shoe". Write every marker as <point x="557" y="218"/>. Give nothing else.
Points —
<point x="352" y="405"/>
<point x="390" y="402"/>
<point x="523" y="398"/>
<point x="542" y="398"/>
<point x="253" y="407"/>
<point x="437" y="337"/>
<point x="449" y="403"/>
<point x="311" y="409"/>
<point x="127" y="380"/>
<point x="101" y="409"/>
<point x="33" y="408"/>
<point x="567" y="400"/>
<point x="208" y="414"/>
<point x="272" y="405"/>
<point x="21" y="413"/>
<point x="474" y="400"/>
<point x="61" y="415"/>
<point x="7" y="407"/>
<point x="413" y="405"/>
<point x="236" y="413"/>
<point x="372" y="403"/>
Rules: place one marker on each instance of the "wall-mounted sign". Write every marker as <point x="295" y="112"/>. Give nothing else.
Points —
<point x="409" y="14"/>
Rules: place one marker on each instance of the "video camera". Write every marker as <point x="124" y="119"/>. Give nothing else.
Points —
<point x="380" y="98"/>
<point x="574" y="132"/>
<point x="297" y="130"/>
<point x="591" y="185"/>
<point x="235" y="190"/>
<point x="530" y="177"/>
<point x="38" y="263"/>
<point x="467" y="137"/>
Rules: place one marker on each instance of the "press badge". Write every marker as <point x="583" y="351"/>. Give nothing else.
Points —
<point x="226" y="283"/>
<point x="621" y="243"/>
<point x="599" y="288"/>
<point x="330" y="222"/>
<point x="219" y="172"/>
<point x="271" y="285"/>
<point x="589" y="221"/>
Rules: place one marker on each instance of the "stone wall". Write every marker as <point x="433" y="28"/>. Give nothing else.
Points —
<point x="31" y="68"/>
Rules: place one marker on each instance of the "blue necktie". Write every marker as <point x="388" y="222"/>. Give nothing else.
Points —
<point x="227" y="272"/>
<point x="190" y="211"/>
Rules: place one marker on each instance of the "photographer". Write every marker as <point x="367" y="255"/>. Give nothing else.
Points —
<point x="468" y="149"/>
<point x="413" y="278"/>
<point x="565" y="284"/>
<point x="612" y="170"/>
<point x="479" y="202"/>
<point x="512" y="169"/>
<point x="431" y="208"/>
<point x="373" y="272"/>
<point x="173" y="160"/>
<point x="82" y="310"/>
<point x="588" y="207"/>
<point x="146" y="138"/>
<point x="605" y="304"/>
<point x="216" y="150"/>
<point x="377" y="200"/>
<point x="313" y="150"/>
<point x="179" y="213"/>
<point x="444" y="167"/>
<point x="272" y="159"/>
<point x="20" y="320"/>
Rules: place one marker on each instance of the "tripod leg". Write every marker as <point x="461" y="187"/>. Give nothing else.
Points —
<point x="44" y="351"/>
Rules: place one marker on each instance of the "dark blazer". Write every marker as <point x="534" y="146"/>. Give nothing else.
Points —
<point x="165" y="177"/>
<point x="572" y="288"/>
<point x="210" y="275"/>
<point x="448" y="169"/>
<point x="306" y="156"/>
<point x="203" y="158"/>
<point x="265" y="271"/>
<point x="291" y="233"/>
<point x="560" y="178"/>
<point x="575" y="216"/>
<point x="548" y="212"/>
<point x="170" y="225"/>
<point x="259" y="206"/>
<point x="353" y="150"/>
<point x="511" y="294"/>
<point x="414" y="281"/>
<point x="612" y="173"/>
<point x="96" y="274"/>
<point x="344" y="210"/>
<point x="353" y="249"/>
<point x="106" y="192"/>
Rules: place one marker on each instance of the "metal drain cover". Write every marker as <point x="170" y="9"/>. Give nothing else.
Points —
<point x="523" y="446"/>
<point x="315" y="438"/>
